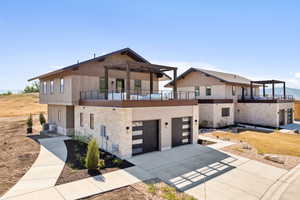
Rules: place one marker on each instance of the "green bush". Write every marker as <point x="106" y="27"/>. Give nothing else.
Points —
<point x="92" y="156"/>
<point x="117" y="161"/>
<point x="6" y="93"/>
<point x="34" y="87"/>
<point x="101" y="164"/>
<point x="42" y="119"/>
<point x="29" y="122"/>
<point x="152" y="189"/>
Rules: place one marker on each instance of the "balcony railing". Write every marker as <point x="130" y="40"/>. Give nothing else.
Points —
<point x="115" y="95"/>
<point x="264" y="98"/>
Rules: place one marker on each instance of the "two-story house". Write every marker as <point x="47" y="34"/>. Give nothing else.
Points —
<point x="115" y="98"/>
<point x="225" y="99"/>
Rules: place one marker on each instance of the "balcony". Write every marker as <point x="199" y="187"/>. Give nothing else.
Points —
<point x="136" y="98"/>
<point x="266" y="99"/>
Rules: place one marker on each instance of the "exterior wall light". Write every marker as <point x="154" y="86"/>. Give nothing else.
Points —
<point x="166" y="124"/>
<point x="196" y="120"/>
<point x="127" y="128"/>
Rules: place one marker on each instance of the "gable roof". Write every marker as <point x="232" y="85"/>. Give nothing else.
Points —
<point x="221" y="76"/>
<point x="126" y="51"/>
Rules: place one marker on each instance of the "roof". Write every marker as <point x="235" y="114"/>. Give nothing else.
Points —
<point x="126" y="51"/>
<point x="221" y="76"/>
<point x="268" y="82"/>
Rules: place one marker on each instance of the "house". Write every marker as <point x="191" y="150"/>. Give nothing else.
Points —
<point x="225" y="99"/>
<point x="115" y="98"/>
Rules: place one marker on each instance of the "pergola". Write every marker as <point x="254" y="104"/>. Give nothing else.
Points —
<point x="131" y="66"/>
<point x="266" y="82"/>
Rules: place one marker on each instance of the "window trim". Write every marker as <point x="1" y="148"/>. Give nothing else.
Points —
<point x="225" y="113"/>
<point x="92" y="121"/>
<point x="233" y="90"/>
<point x="51" y="87"/>
<point x="208" y="88"/>
<point x="59" y="115"/>
<point x="197" y="91"/>
<point x="44" y="87"/>
<point x="81" y="119"/>
<point x="62" y="85"/>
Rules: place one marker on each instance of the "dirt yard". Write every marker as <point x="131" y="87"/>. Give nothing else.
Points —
<point x="18" y="152"/>
<point x="150" y="190"/>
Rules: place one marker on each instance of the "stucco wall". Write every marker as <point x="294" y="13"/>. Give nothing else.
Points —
<point x="265" y="114"/>
<point x="86" y="78"/>
<point x="210" y="115"/>
<point x="65" y="125"/>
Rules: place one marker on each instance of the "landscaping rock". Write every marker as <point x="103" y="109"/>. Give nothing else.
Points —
<point x="276" y="159"/>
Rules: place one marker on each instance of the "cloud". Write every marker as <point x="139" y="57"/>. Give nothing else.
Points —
<point x="297" y="75"/>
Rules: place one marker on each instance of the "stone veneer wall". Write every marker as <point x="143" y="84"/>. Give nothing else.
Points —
<point x="117" y="119"/>
<point x="265" y="114"/>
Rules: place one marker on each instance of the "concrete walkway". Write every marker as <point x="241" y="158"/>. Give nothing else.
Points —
<point x="45" y="170"/>
<point x="89" y="186"/>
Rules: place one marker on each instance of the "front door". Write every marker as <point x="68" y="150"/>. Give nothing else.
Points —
<point x="120" y="85"/>
<point x="290" y="116"/>
<point x="181" y="131"/>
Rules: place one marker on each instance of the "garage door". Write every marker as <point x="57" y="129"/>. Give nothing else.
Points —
<point x="181" y="131"/>
<point x="144" y="137"/>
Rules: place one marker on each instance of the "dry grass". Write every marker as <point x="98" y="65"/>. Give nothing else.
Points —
<point x="20" y="105"/>
<point x="273" y="143"/>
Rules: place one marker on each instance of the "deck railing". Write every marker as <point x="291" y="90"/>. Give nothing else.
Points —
<point x="261" y="97"/>
<point x="116" y="95"/>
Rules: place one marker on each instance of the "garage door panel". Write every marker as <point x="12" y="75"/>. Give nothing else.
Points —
<point x="181" y="131"/>
<point x="144" y="137"/>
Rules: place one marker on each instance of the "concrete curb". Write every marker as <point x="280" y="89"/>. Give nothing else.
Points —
<point x="280" y="186"/>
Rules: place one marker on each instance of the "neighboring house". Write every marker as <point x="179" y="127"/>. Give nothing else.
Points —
<point x="225" y="99"/>
<point x="115" y="98"/>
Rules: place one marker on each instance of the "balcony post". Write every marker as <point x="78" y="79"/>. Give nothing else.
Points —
<point x="251" y="90"/>
<point x="127" y="82"/>
<point x="151" y="83"/>
<point x="106" y="82"/>
<point x="284" y="90"/>
<point x="264" y="90"/>
<point x="273" y="90"/>
<point x="175" y="84"/>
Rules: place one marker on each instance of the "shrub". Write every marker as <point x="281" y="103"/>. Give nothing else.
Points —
<point x="152" y="189"/>
<point x="117" y="161"/>
<point x="29" y="122"/>
<point x="42" y="119"/>
<point x="92" y="156"/>
<point x="101" y="164"/>
<point x="34" y="87"/>
<point x="169" y="193"/>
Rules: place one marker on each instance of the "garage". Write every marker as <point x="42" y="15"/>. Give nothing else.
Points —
<point x="144" y="136"/>
<point x="181" y="131"/>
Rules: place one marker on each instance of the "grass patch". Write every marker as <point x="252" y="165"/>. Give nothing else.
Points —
<point x="273" y="143"/>
<point x="20" y="104"/>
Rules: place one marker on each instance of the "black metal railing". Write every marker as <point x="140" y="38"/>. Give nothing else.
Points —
<point x="136" y="95"/>
<point x="267" y="97"/>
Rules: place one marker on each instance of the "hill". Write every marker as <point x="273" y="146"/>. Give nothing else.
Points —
<point x="20" y="104"/>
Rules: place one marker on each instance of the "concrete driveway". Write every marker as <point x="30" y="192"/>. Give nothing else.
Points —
<point x="209" y="174"/>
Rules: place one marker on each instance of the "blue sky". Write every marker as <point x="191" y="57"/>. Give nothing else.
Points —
<point x="257" y="39"/>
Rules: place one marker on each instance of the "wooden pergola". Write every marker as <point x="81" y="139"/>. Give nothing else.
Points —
<point x="131" y="66"/>
<point x="266" y="82"/>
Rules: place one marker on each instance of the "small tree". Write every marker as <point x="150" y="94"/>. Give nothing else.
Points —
<point x="42" y="119"/>
<point x="92" y="156"/>
<point x="29" y="124"/>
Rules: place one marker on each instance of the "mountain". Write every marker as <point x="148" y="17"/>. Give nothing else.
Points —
<point x="289" y="91"/>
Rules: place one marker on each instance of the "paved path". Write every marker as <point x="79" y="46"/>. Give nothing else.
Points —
<point x="210" y="174"/>
<point x="45" y="170"/>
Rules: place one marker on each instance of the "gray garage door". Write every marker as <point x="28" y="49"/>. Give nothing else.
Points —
<point x="181" y="131"/>
<point x="144" y="137"/>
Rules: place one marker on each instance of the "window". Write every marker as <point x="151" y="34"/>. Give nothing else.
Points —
<point x="137" y="85"/>
<point x="208" y="91"/>
<point x="225" y="112"/>
<point x="233" y="90"/>
<point x="45" y="87"/>
<point x="102" y="84"/>
<point x="92" y="121"/>
<point x="51" y="87"/>
<point x="197" y="91"/>
<point x="81" y="119"/>
<point x="62" y="85"/>
<point x="59" y="115"/>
